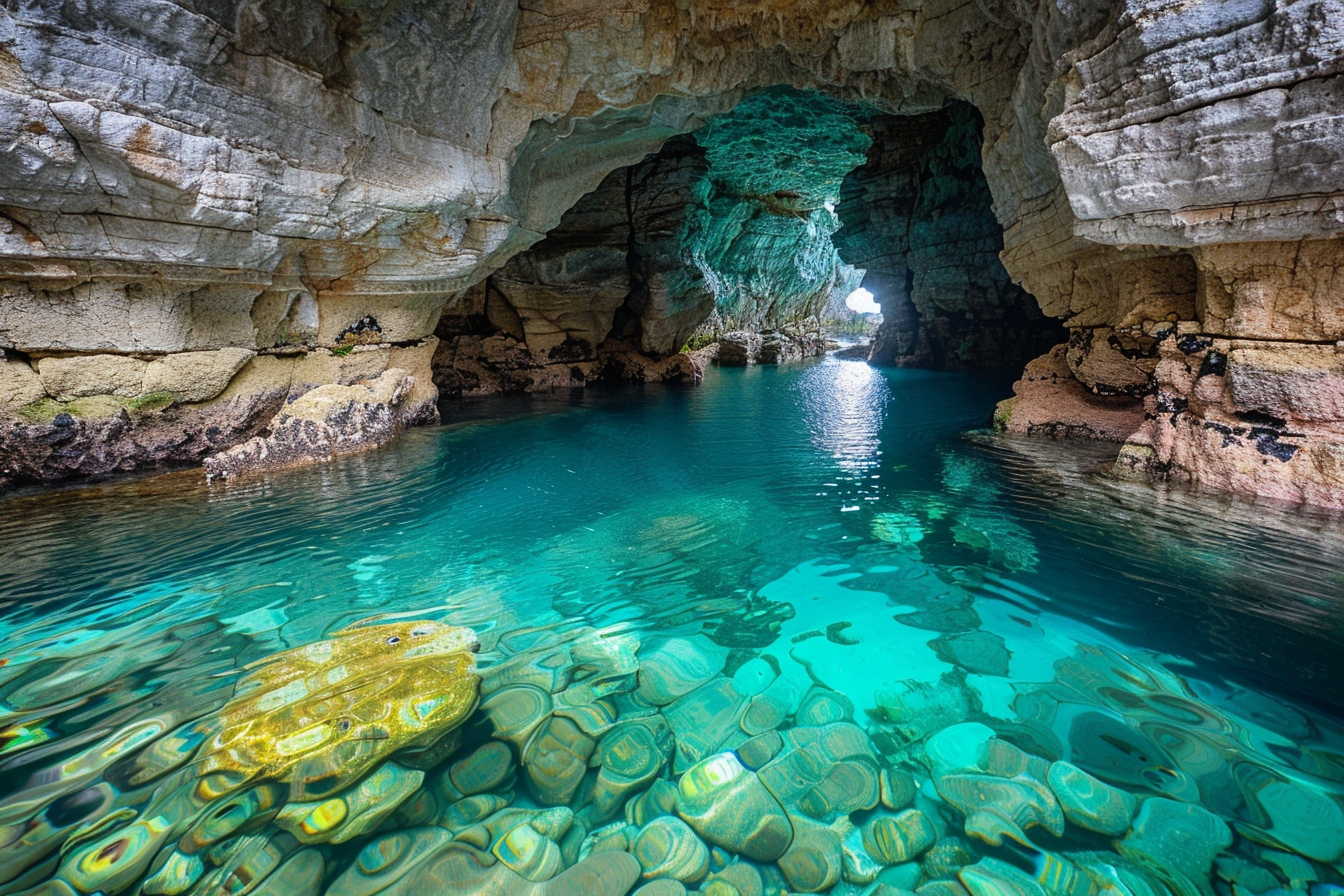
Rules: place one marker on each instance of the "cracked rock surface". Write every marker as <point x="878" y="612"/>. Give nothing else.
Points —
<point x="182" y="179"/>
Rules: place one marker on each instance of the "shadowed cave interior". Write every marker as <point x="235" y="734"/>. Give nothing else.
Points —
<point x="746" y="233"/>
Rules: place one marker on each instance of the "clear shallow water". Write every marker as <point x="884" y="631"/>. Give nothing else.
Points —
<point x="808" y="531"/>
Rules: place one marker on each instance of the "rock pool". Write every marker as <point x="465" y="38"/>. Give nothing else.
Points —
<point x="792" y="631"/>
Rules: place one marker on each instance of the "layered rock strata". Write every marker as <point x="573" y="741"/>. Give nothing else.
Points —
<point x="742" y="348"/>
<point x="193" y="178"/>
<point x="917" y="218"/>
<point x="591" y="301"/>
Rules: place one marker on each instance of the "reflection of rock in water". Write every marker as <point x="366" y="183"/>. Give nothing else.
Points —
<point x="598" y="760"/>
<point x="1211" y="551"/>
<point x="968" y="510"/>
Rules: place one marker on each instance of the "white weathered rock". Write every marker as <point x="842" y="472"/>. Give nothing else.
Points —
<point x="194" y="376"/>
<point x="179" y="178"/>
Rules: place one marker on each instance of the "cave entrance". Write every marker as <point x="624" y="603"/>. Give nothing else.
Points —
<point x="751" y="234"/>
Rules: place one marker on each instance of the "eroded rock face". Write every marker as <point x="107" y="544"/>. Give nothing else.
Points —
<point x="187" y="178"/>
<point x="917" y="218"/>
<point x="592" y="300"/>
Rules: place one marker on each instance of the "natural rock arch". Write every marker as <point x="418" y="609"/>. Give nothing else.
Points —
<point x="189" y="178"/>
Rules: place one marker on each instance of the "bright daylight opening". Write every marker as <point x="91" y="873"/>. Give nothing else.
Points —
<point x="861" y="301"/>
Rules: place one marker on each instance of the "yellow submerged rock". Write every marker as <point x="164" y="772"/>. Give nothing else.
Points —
<point x="321" y="715"/>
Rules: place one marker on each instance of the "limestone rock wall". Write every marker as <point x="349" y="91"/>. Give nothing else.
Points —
<point x="269" y="176"/>
<point x="917" y="218"/>
<point x="593" y="299"/>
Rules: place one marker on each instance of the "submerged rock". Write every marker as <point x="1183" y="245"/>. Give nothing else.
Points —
<point x="386" y="686"/>
<point x="667" y="848"/>
<point x="1179" y="837"/>
<point x="730" y="807"/>
<point x="1090" y="803"/>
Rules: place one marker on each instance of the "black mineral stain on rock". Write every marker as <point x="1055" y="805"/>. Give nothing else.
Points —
<point x="1267" y="443"/>
<point x="1215" y="364"/>
<point x="364" y="326"/>
<point x="1190" y="344"/>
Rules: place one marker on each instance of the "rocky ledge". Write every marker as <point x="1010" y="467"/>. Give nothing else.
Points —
<point x="184" y="180"/>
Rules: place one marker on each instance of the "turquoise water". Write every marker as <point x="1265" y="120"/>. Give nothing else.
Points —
<point x="814" y="545"/>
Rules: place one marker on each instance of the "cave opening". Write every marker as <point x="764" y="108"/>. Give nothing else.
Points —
<point x="747" y="237"/>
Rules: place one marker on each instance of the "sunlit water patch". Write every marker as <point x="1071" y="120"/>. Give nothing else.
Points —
<point x="792" y="631"/>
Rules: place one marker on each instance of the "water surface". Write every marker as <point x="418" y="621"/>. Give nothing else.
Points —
<point x="820" y="529"/>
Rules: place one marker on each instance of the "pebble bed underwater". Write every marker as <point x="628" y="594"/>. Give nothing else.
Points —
<point x="798" y="630"/>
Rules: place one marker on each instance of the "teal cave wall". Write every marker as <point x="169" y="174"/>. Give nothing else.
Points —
<point x="758" y="235"/>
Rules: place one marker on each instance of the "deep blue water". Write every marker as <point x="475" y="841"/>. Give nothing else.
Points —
<point x="832" y="516"/>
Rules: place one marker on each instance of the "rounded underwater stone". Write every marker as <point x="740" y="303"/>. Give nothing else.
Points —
<point x="894" y="839"/>
<point x="667" y="847"/>
<point x="615" y="836"/>
<point x="489" y="766"/>
<point x="385" y="860"/>
<point x="300" y="875"/>
<point x="813" y="861"/>
<point x="605" y="874"/>
<point x="528" y="853"/>
<point x="659" y="799"/>
<point x="794" y="772"/>
<point x="848" y="786"/>
<point x="594" y="718"/>
<point x="515" y="712"/>
<point x="472" y="810"/>
<point x="959" y="747"/>
<point x="547" y="668"/>
<point x="115" y="860"/>
<point x="754" y="676"/>
<point x="247" y="862"/>
<point x="674" y="667"/>
<point x="762" y="714"/>
<point x="320" y="716"/>
<point x="1001" y="807"/>
<point x="821" y="706"/>
<point x="946" y="857"/>
<point x="898" y="788"/>
<point x="703" y="720"/>
<point x="858" y="866"/>
<point x="844" y="740"/>
<point x="744" y="877"/>
<point x="942" y="888"/>
<point x="662" y="887"/>
<point x="459" y="868"/>
<point x="631" y="754"/>
<point x="993" y="877"/>
<point x="375" y="798"/>
<point x="228" y="814"/>
<point x="1090" y="803"/>
<point x="178" y="874"/>
<point x="1178" y="836"/>
<point x="556" y="760"/>
<point x="731" y="808"/>
<point x="170" y="752"/>
<point x="311" y="823"/>
<point x="760" y="749"/>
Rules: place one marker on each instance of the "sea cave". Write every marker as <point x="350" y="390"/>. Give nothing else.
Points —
<point x="672" y="448"/>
